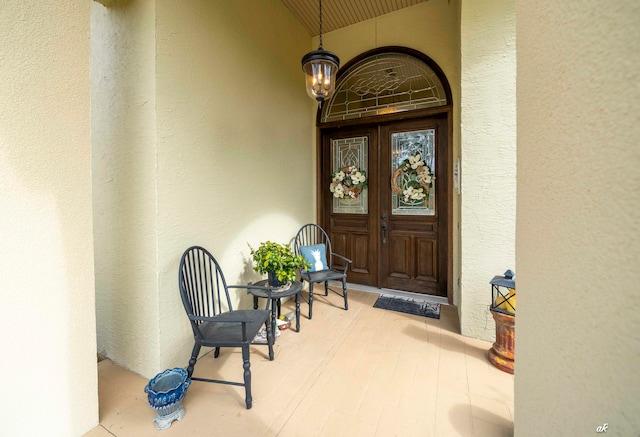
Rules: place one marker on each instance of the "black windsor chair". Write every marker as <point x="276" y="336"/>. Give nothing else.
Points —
<point x="205" y="296"/>
<point x="313" y="243"/>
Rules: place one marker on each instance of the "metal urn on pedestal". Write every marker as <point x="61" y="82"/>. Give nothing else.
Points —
<point x="503" y="309"/>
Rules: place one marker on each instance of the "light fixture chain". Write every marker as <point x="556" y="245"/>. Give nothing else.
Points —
<point x="320" y="23"/>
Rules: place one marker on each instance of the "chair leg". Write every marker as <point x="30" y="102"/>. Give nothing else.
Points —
<point x="247" y="376"/>
<point x="326" y="288"/>
<point x="310" y="300"/>
<point x="192" y="361"/>
<point x="344" y="292"/>
<point x="270" y="334"/>
<point x="216" y="352"/>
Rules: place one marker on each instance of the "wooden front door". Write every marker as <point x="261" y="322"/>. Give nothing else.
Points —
<point x="395" y="230"/>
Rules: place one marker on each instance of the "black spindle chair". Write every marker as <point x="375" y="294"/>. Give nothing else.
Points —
<point x="205" y="296"/>
<point x="313" y="235"/>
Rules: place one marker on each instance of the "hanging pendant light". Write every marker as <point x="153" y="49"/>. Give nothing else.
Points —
<point x="320" y="68"/>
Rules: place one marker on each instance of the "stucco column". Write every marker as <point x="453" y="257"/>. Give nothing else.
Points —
<point x="488" y="154"/>
<point x="578" y="243"/>
<point x="47" y="305"/>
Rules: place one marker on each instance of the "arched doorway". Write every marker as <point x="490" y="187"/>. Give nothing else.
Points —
<point x="391" y="118"/>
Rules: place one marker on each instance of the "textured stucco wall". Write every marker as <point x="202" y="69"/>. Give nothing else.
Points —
<point x="204" y="135"/>
<point x="48" y="348"/>
<point x="125" y="179"/>
<point x="474" y="44"/>
<point x="578" y="244"/>
<point x="488" y="156"/>
<point x="235" y="142"/>
<point x="432" y="28"/>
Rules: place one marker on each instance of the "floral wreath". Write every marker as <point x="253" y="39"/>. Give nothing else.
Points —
<point x="419" y="184"/>
<point x="348" y="182"/>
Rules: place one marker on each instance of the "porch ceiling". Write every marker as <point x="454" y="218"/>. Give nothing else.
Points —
<point x="339" y="13"/>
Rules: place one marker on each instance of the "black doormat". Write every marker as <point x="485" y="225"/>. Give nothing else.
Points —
<point x="409" y="306"/>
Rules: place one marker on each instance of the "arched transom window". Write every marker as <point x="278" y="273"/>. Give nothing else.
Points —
<point x="384" y="83"/>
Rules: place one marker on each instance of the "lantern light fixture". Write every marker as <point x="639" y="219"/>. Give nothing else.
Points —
<point x="503" y="301"/>
<point x="320" y="69"/>
<point x="503" y="310"/>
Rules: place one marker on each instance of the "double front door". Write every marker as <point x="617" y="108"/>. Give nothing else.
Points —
<point x="394" y="228"/>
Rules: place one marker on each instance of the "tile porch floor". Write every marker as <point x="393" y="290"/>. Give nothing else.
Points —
<point x="361" y="372"/>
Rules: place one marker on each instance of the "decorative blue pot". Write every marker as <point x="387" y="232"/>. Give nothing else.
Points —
<point x="165" y="393"/>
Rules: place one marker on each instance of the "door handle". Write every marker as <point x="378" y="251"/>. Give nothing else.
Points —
<point x="384" y="233"/>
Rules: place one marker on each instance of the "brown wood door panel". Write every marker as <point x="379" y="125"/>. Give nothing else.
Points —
<point x="412" y="265"/>
<point x="353" y="222"/>
<point x="356" y="232"/>
<point x="400" y="262"/>
<point x="353" y="234"/>
<point x="360" y="252"/>
<point x="418" y="263"/>
<point x="410" y="253"/>
<point x="413" y="226"/>
<point x="338" y="245"/>
<point x="403" y="264"/>
<point x="427" y="259"/>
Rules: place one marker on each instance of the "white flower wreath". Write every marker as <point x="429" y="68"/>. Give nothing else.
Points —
<point x="348" y="182"/>
<point x="416" y="189"/>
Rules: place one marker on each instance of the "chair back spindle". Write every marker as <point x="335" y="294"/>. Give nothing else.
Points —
<point x="204" y="285"/>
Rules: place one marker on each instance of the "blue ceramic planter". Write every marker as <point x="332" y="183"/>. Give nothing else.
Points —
<point x="165" y="393"/>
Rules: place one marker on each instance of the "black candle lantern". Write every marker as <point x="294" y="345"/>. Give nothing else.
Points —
<point x="503" y="309"/>
<point x="503" y="294"/>
<point x="320" y="69"/>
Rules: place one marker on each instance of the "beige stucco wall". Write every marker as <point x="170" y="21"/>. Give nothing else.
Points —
<point x="578" y="245"/>
<point x="234" y="139"/>
<point x="123" y="125"/>
<point x="488" y="164"/>
<point x="47" y="319"/>
<point x="474" y="44"/>
<point x="206" y="137"/>
<point x="432" y="28"/>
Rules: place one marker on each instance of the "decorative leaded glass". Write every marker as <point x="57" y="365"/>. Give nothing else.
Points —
<point x="384" y="84"/>
<point x="349" y="152"/>
<point x="413" y="172"/>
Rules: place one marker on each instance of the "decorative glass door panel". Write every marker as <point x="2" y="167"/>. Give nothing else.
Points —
<point x="412" y="249"/>
<point x="394" y="230"/>
<point x="350" y="190"/>
<point x="349" y="175"/>
<point x="413" y="172"/>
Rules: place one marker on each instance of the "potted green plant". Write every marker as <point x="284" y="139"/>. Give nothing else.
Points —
<point x="278" y="261"/>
